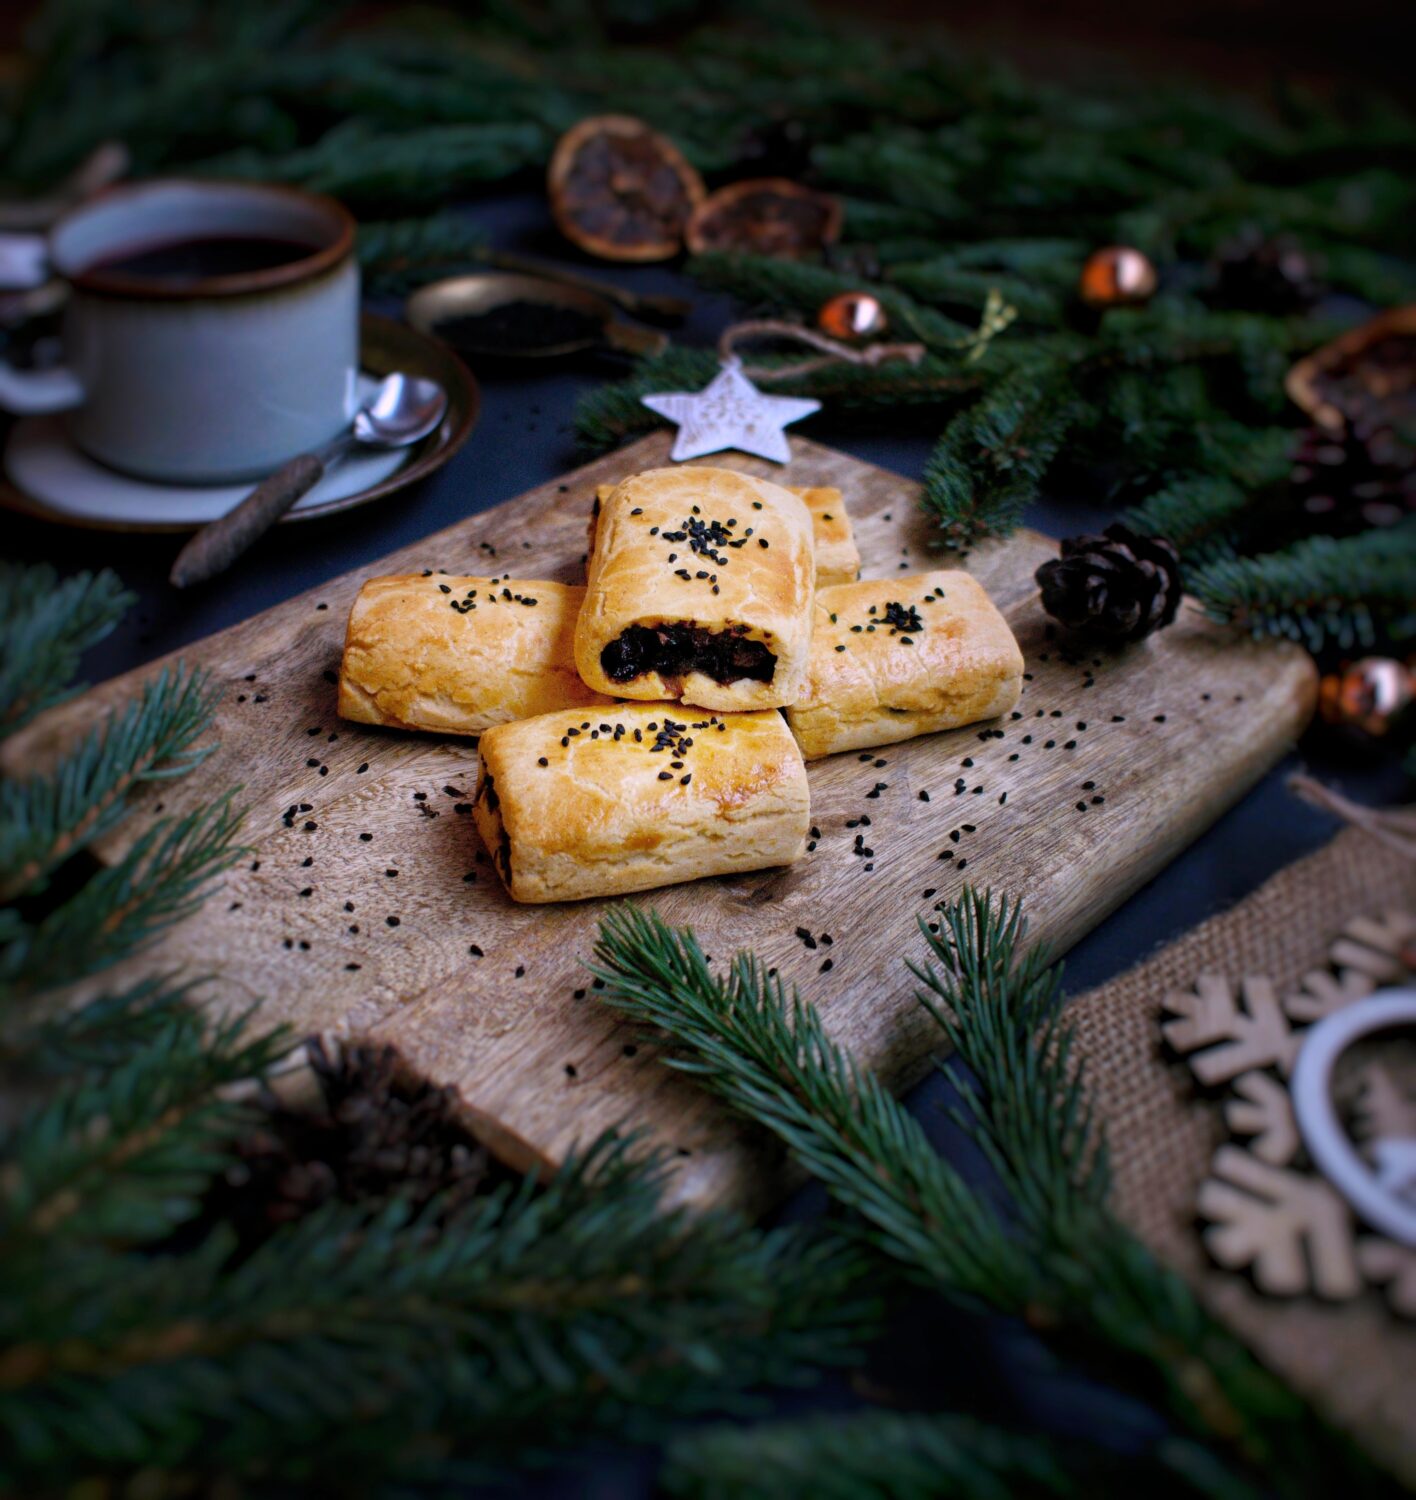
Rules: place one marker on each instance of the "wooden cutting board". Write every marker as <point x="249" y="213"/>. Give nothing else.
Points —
<point x="1116" y="763"/>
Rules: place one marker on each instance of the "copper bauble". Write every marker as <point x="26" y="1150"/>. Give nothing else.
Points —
<point x="1368" y="695"/>
<point x="852" y="315"/>
<point x="1117" y="276"/>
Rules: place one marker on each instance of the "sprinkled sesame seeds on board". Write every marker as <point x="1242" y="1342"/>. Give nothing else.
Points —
<point x="421" y="986"/>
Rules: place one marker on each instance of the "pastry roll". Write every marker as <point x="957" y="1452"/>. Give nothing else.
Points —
<point x="837" y="560"/>
<point x="430" y="651"/>
<point x="700" y="588"/>
<point x="572" y="805"/>
<point x="895" y="657"/>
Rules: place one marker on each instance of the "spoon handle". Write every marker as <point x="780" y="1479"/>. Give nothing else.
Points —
<point x="219" y="543"/>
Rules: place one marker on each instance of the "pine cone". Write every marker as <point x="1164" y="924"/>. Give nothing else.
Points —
<point x="1262" y="274"/>
<point x="1364" y="476"/>
<point x="1116" y="587"/>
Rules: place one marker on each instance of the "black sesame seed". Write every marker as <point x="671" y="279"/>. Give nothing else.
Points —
<point x="392" y="921"/>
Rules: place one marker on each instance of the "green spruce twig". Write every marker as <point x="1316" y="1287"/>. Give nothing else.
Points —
<point x="45" y="627"/>
<point x="987" y="466"/>
<point x="1057" y="1258"/>
<point x="46" y="819"/>
<point x="487" y="1336"/>
<point x="123" y="1153"/>
<point x="1344" y="592"/>
<point x="884" y="1454"/>
<point x="123" y="907"/>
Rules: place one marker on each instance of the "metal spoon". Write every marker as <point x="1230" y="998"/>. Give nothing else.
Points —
<point x="401" y="411"/>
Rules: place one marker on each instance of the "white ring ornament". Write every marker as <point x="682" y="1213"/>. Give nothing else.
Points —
<point x="1328" y="1143"/>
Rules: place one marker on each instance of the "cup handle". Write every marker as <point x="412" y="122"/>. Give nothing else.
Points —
<point x="32" y="393"/>
<point x="24" y="265"/>
<point x="24" y="261"/>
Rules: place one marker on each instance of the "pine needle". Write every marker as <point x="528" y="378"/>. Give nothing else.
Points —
<point x="161" y="879"/>
<point x="47" y="819"/>
<point x="883" y="1454"/>
<point x="1343" y="592"/>
<point x="45" y="627"/>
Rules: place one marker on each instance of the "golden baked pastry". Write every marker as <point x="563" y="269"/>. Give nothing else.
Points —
<point x="895" y="657"/>
<point x="837" y="560"/>
<point x="572" y="805"/>
<point x="430" y="651"/>
<point x="700" y="588"/>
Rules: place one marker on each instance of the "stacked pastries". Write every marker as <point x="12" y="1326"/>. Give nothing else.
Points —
<point x="704" y="605"/>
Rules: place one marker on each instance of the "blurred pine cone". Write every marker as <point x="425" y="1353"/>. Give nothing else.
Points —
<point x="1261" y="273"/>
<point x="1116" y="587"/>
<point x="1345" y="482"/>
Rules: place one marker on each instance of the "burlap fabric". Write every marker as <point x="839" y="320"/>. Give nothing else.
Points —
<point x="1353" y="1360"/>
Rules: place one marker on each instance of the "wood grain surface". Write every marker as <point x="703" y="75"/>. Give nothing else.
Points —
<point x="369" y="908"/>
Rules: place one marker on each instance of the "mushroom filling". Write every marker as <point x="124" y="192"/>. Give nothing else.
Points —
<point x="672" y="650"/>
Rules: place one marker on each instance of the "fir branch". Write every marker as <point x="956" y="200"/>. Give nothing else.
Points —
<point x="769" y="1056"/>
<point x="765" y="280"/>
<point x="1200" y="514"/>
<point x="100" y="1034"/>
<point x="125" y="1153"/>
<point x="987" y="466"/>
<point x="1345" y="593"/>
<point x="884" y="1454"/>
<point x="45" y="627"/>
<point x="161" y="879"/>
<point x="946" y="281"/>
<point x="397" y="254"/>
<point x="1209" y="515"/>
<point x="46" y="819"/>
<point x="361" y="165"/>
<point x="1062" y="1262"/>
<point x="611" y="413"/>
<point x="524" y="1318"/>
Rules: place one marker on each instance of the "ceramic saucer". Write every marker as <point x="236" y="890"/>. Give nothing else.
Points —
<point x="49" y="477"/>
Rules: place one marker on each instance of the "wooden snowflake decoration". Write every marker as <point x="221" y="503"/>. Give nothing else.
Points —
<point x="1266" y="1210"/>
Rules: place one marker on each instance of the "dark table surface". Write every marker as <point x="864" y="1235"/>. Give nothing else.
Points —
<point x="933" y="1357"/>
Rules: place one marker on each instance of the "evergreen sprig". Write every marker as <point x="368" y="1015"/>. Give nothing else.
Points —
<point x="147" y="1339"/>
<point x="884" y="1454"/>
<point x="992" y="457"/>
<point x="124" y="906"/>
<point x="396" y="254"/>
<point x="1323" y="592"/>
<point x="46" y="819"/>
<point x="609" y="414"/>
<point x="122" y="1153"/>
<point x="526" y="1318"/>
<point x="45" y="627"/>
<point x="1055" y="1256"/>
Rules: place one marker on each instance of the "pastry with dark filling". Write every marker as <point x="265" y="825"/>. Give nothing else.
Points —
<point x="700" y="588"/>
<point x="636" y="796"/>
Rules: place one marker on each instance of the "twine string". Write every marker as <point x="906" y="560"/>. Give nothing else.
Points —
<point x="832" y="351"/>
<point x="1394" y="826"/>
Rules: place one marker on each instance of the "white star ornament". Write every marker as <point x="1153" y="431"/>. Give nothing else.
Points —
<point x="730" y="412"/>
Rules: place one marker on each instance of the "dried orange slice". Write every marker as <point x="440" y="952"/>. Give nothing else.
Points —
<point x="621" y="190"/>
<point x="765" y="216"/>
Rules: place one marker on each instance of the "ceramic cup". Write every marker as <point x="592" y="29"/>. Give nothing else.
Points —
<point x="201" y="380"/>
